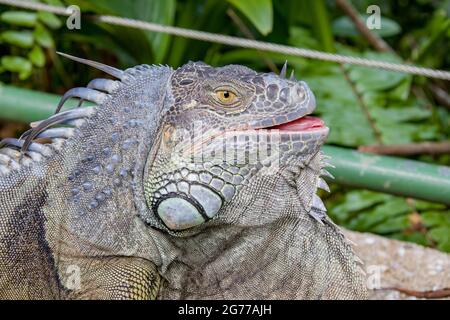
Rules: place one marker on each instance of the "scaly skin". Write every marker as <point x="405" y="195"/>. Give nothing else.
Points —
<point x="123" y="204"/>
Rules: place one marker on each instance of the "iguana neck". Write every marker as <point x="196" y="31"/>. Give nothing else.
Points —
<point x="245" y="244"/>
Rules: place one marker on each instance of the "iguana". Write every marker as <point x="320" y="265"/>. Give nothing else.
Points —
<point x="132" y="197"/>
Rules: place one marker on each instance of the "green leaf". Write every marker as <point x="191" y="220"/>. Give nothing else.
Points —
<point x="442" y="236"/>
<point x="23" y="39"/>
<point x="344" y="27"/>
<point x="37" y="56"/>
<point x="43" y="37"/>
<point x="401" y="91"/>
<point x="321" y="24"/>
<point x="19" y="18"/>
<point x="355" y="201"/>
<point x="400" y="114"/>
<point x="422" y="205"/>
<point x="436" y="218"/>
<point x="49" y="19"/>
<point x="259" y="12"/>
<point x="302" y="38"/>
<point x="395" y="224"/>
<point x="367" y="79"/>
<point x="382" y="212"/>
<point x="436" y="38"/>
<point x="371" y="80"/>
<point x="17" y="64"/>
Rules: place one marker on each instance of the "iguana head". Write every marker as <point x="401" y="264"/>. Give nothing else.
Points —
<point x="226" y="128"/>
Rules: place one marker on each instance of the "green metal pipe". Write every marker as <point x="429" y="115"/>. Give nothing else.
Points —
<point x="387" y="174"/>
<point x="26" y="105"/>
<point x="390" y="174"/>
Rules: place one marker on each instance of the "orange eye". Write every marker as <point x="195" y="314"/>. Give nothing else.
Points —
<point x="226" y="96"/>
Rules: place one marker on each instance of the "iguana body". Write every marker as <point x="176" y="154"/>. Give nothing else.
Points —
<point x="122" y="195"/>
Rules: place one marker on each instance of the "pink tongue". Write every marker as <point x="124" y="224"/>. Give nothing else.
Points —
<point x="302" y="124"/>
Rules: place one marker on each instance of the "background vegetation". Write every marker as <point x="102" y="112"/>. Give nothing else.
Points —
<point x="362" y="106"/>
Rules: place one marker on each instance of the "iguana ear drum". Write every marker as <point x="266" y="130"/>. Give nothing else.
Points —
<point x="179" y="211"/>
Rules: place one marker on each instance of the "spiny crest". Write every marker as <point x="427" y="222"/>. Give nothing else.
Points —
<point x="318" y="210"/>
<point x="15" y="153"/>
<point x="284" y="71"/>
<point x="100" y="66"/>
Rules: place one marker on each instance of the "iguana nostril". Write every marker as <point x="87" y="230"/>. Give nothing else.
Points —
<point x="300" y="92"/>
<point x="284" y="94"/>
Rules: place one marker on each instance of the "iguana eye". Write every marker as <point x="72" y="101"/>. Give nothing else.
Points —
<point x="226" y="96"/>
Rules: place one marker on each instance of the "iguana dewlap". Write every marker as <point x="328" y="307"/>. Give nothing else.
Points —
<point x="194" y="183"/>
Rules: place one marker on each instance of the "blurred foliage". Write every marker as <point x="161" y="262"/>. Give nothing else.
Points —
<point x="409" y="220"/>
<point x="26" y="35"/>
<point x="361" y="105"/>
<point x="259" y="12"/>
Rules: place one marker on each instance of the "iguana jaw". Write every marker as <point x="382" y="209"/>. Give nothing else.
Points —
<point x="300" y="130"/>
<point x="295" y="130"/>
<point x="307" y="123"/>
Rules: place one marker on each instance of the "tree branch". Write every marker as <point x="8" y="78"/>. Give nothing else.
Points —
<point x="430" y="294"/>
<point x="433" y="148"/>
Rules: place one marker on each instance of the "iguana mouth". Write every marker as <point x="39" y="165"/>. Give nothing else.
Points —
<point x="303" y="124"/>
<point x="306" y="123"/>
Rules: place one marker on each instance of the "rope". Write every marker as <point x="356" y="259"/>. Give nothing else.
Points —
<point x="239" y="42"/>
